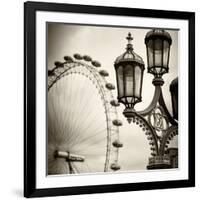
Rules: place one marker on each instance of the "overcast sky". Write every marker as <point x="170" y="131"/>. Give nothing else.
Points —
<point x="105" y="44"/>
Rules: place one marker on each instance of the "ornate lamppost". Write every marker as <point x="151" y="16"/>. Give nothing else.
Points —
<point x="156" y="121"/>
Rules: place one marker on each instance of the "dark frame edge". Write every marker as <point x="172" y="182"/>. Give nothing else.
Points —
<point x="29" y="101"/>
<point x="93" y="9"/>
<point x="127" y="187"/>
<point x="191" y="77"/>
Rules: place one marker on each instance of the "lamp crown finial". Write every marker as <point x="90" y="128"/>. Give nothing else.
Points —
<point x="129" y="45"/>
<point x="129" y="37"/>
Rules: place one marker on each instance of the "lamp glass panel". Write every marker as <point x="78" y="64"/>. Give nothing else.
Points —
<point x="158" y="54"/>
<point x="165" y="53"/>
<point x="137" y="78"/>
<point x="128" y="75"/>
<point x="150" y="53"/>
<point x="120" y="82"/>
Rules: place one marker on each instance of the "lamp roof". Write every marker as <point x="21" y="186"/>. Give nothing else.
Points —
<point x="158" y="33"/>
<point x="129" y="55"/>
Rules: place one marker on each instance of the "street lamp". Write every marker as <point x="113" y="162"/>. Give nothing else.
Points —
<point x="158" y="44"/>
<point x="156" y="121"/>
<point x="129" y="73"/>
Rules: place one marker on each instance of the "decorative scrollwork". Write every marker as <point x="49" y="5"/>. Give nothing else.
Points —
<point x="158" y="119"/>
<point x="171" y="132"/>
<point x="149" y="132"/>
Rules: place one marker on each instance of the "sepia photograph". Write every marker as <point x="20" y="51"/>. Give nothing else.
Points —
<point x="112" y="99"/>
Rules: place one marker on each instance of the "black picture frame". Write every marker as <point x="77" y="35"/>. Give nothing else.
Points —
<point x="30" y="9"/>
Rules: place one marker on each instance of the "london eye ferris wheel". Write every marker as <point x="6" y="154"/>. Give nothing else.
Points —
<point x="83" y="125"/>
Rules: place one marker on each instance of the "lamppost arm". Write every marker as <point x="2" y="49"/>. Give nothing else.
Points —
<point x="153" y="103"/>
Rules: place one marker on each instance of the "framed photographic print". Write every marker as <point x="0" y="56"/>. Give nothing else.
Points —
<point x="109" y="99"/>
